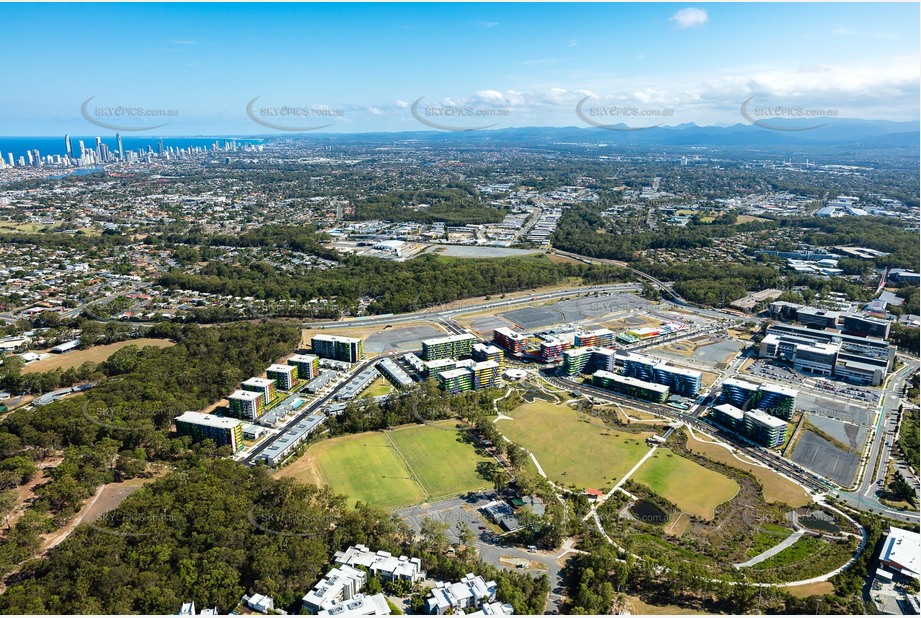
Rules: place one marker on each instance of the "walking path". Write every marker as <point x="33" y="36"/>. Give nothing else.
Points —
<point x="787" y="542"/>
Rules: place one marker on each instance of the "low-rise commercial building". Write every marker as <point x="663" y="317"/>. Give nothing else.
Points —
<point x="901" y="552"/>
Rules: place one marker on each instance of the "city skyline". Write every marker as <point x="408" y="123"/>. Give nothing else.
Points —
<point x="477" y="66"/>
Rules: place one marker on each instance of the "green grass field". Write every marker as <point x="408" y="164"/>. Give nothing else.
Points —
<point x="437" y="459"/>
<point x="573" y="448"/>
<point x="695" y="489"/>
<point x="393" y="469"/>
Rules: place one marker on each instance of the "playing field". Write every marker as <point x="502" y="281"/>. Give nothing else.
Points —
<point x="393" y="469"/>
<point x="572" y="448"/>
<point x="774" y="487"/>
<point x="96" y="354"/>
<point x="695" y="489"/>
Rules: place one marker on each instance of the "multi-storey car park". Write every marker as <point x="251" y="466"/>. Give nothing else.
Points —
<point x="454" y="346"/>
<point x="284" y="376"/>
<point x="308" y="366"/>
<point x="347" y="349"/>
<point x="657" y="393"/>
<point x="246" y="405"/>
<point x="222" y="431"/>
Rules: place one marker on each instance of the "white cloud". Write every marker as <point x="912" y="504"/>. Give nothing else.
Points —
<point x="488" y="24"/>
<point x="690" y="18"/>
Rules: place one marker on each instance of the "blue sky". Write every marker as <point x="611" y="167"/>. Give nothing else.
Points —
<point x="359" y="67"/>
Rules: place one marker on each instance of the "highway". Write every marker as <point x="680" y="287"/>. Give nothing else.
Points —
<point x="433" y="313"/>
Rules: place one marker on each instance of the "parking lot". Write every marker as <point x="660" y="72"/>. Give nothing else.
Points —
<point x="831" y="408"/>
<point x="453" y="511"/>
<point x="781" y="372"/>
<point x="406" y="338"/>
<point x="826" y="459"/>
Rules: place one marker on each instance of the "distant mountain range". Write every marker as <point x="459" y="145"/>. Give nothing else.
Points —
<point x="775" y="132"/>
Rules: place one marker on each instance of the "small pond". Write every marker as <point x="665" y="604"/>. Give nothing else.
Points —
<point x="649" y="513"/>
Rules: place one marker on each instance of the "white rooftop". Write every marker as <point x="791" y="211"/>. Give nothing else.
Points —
<point x="903" y="547"/>
<point x="245" y="395"/>
<point x="198" y="418"/>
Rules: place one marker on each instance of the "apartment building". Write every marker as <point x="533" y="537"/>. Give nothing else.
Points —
<point x="265" y="386"/>
<point x="246" y="405"/>
<point x="454" y="346"/>
<point x="485" y="352"/>
<point x="222" y="431"/>
<point x="510" y="340"/>
<point x="347" y="349"/>
<point x="632" y="387"/>
<point x="308" y="366"/>
<point x="284" y="376"/>
<point x="601" y="338"/>
<point x="765" y="429"/>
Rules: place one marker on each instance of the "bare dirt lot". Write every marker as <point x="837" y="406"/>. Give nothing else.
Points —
<point x="95" y="354"/>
